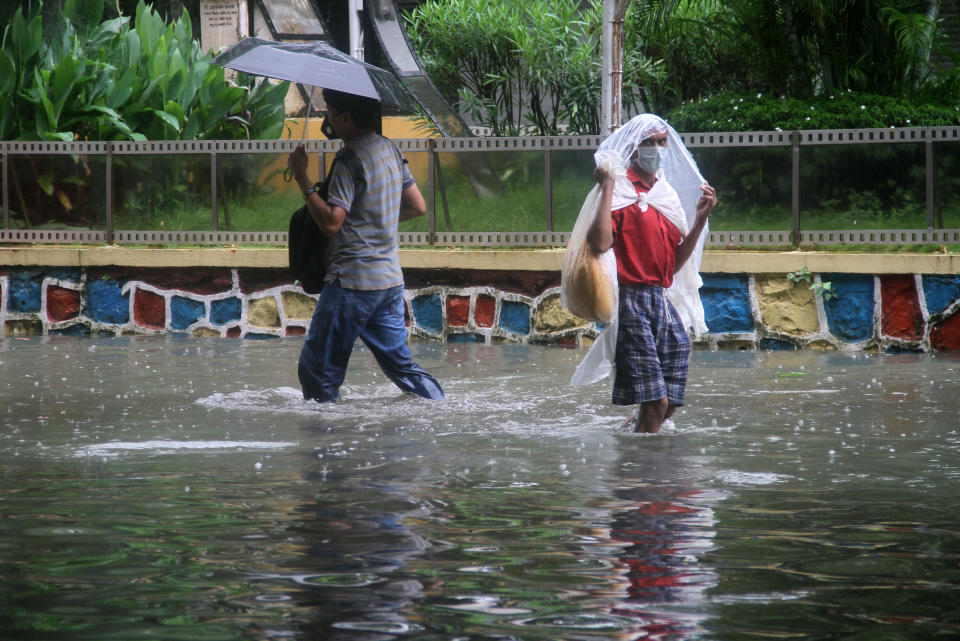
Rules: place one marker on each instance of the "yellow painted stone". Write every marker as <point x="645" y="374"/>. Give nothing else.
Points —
<point x="552" y="317"/>
<point x="263" y="312"/>
<point x="206" y="332"/>
<point x="822" y="345"/>
<point x="736" y="344"/>
<point x="785" y="306"/>
<point x="298" y="306"/>
<point x="24" y="327"/>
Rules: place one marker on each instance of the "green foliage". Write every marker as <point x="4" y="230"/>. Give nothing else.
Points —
<point x="802" y="275"/>
<point x="532" y="66"/>
<point x="109" y="80"/>
<point x="736" y="111"/>
<point x="824" y="289"/>
<point x="516" y="66"/>
<point x="797" y="48"/>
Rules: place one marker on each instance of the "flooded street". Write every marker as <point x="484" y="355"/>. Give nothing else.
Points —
<point x="179" y="488"/>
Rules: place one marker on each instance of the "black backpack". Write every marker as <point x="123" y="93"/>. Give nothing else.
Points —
<point x="307" y="246"/>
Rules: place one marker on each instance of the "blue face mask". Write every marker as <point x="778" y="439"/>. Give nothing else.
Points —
<point x="650" y="159"/>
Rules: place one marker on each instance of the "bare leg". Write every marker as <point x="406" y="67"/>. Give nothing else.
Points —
<point x="651" y="416"/>
<point x="670" y="410"/>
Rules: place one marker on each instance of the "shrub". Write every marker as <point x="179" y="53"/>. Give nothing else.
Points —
<point x="108" y="80"/>
<point x="730" y="111"/>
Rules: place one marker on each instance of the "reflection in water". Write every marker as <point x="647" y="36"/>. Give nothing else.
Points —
<point x="666" y="534"/>
<point x="163" y="487"/>
<point x="352" y="544"/>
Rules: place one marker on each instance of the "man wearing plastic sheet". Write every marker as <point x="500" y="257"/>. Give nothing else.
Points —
<point x="652" y="213"/>
<point x="370" y="190"/>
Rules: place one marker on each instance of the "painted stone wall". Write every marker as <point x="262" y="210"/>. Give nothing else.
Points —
<point x="900" y="312"/>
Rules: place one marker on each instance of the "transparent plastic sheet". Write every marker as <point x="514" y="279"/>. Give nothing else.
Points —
<point x="675" y="196"/>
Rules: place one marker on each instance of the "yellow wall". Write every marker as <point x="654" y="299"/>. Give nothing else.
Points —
<point x="393" y="127"/>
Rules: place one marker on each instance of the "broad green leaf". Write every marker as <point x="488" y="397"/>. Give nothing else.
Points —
<point x="146" y="27"/>
<point x="176" y="111"/>
<point x="65" y="136"/>
<point x="83" y="14"/>
<point x="121" y="89"/>
<point x="158" y="62"/>
<point x="64" y="76"/>
<point x="167" y="118"/>
<point x="45" y="181"/>
<point x="133" y="48"/>
<point x="7" y="76"/>
<point x="50" y="122"/>
<point x="192" y="128"/>
<point x="177" y="80"/>
<point x="26" y="35"/>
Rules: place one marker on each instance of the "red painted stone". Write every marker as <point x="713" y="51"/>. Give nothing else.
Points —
<point x="945" y="336"/>
<point x="293" y="330"/>
<point x="62" y="303"/>
<point x="197" y="280"/>
<point x="484" y="310"/>
<point x="458" y="310"/>
<point x="233" y="332"/>
<point x="528" y="283"/>
<point x="567" y="341"/>
<point x="149" y="309"/>
<point x="900" y="307"/>
<point x="252" y="281"/>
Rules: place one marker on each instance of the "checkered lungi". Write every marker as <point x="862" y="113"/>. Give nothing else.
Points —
<point x="652" y="348"/>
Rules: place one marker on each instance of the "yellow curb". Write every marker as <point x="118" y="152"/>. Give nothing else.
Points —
<point x="722" y="262"/>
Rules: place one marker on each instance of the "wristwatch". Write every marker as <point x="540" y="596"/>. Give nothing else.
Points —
<point x="310" y="190"/>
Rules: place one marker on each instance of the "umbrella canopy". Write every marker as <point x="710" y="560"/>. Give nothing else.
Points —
<point x="317" y="64"/>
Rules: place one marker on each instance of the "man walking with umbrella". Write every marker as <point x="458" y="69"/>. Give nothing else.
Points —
<point x="370" y="191"/>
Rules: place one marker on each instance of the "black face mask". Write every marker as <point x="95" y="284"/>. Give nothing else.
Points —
<point x="327" y="129"/>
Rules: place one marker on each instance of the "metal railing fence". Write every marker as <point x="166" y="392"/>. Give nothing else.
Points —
<point x="110" y="153"/>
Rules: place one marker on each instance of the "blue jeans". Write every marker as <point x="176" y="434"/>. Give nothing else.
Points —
<point x="375" y="317"/>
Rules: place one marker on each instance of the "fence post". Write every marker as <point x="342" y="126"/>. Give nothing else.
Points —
<point x="6" y="186"/>
<point x="431" y="189"/>
<point x="795" y="186"/>
<point x="928" y="160"/>
<point x="109" y="194"/>
<point x="213" y="191"/>
<point x="548" y="184"/>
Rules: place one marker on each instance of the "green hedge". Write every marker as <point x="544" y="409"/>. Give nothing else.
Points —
<point x="845" y="110"/>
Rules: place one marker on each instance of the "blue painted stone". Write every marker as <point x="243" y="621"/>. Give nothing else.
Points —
<point x="69" y="275"/>
<point x="726" y="303"/>
<point x="428" y="312"/>
<point x="515" y="317"/>
<point x="940" y="292"/>
<point x="850" y="312"/>
<point x="773" y="344"/>
<point x="897" y="349"/>
<point x="258" y="337"/>
<point x="24" y="295"/>
<point x="225" y="311"/>
<point x="106" y="303"/>
<point x="73" y="330"/>
<point x="184" y="312"/>
<point x="465" y="338"/>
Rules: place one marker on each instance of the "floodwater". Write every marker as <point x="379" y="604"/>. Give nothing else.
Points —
<point x="178" y="488"/>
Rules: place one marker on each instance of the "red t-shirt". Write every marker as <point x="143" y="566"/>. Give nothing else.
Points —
<point x="645" y="242"/>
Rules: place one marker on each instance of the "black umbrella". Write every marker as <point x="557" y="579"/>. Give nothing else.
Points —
<point x="316" y="64"/>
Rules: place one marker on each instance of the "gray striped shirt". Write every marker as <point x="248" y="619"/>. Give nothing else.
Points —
<point x="367" y="182"/>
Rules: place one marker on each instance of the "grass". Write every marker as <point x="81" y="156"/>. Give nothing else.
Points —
<point x="257" y="203"/>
